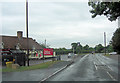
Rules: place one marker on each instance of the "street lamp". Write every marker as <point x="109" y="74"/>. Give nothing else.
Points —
<point x="27" y="32"/>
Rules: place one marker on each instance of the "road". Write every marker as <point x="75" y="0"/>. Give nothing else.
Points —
<point x="92" y="67"/>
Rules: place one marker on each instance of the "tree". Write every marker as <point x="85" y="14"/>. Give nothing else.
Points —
<point x="60" y="51"/>
<point x="99" y="48"/>
<point x="109" y="48"/>
<point x="110" y="9"/>
<point x="116" y="41"/>
<point x="86" y="47"/>
<point x="79" y="48"/>
<point x="74" y="46"/>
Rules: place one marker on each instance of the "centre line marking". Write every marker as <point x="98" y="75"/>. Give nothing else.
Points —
<point x="95" y="66"/>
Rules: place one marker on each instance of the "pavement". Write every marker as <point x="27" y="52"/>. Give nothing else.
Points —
<point x="38" y="61"/>
<point x="33" y="75"/>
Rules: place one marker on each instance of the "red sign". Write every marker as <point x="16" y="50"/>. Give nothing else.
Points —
<point x="48" y="51"/>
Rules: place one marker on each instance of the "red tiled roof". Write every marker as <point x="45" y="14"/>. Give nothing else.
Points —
<point x="12" y="41"/>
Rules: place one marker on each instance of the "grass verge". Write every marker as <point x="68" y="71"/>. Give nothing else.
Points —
<point x="33" y="67"/>
<point x="106" y="54"/>
<point x="83" y="53"/>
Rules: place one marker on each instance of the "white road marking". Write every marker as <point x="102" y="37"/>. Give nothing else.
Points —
<point x="95" y="66"/>
<point x="107" y="65"/>
<point x="110" y="68"/>
<point x="54" y="73"/>
<point x="103" y="63"/>
<point x="111" y="76"/>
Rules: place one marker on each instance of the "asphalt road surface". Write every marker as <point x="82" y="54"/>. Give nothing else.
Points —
<point x="92" y="67"/>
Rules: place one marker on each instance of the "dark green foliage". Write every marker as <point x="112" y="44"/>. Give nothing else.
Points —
<point x="86" y="47"/>
<point x="110" y="9"/>
<point x="109" y="48"/>
<point x="99" y="48"/>
<point x="74" y="47"/>
<point x="116" y="41"/>
<point x="60" y="51"/>
<point x="78" y="48"/>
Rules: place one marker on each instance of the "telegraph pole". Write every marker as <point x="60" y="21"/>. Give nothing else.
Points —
<point x="105" y="42"/>
<point x="45" y="44"/>
<point x="27" y="32"/>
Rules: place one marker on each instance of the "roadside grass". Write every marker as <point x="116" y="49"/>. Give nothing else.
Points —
<point x="107" y="54"/>
<point x="33" y="67"/>
<point x="83" y="54"/>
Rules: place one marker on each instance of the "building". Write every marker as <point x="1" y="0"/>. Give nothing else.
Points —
<point x="20" y="43"/>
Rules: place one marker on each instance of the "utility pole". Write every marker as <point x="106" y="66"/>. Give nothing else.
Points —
<point x="45" y="44"/>
<point x="27" y="32"/>
<point x="105" y="42"/>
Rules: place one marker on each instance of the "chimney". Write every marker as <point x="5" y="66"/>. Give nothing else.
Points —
<point x="19" y="34"/>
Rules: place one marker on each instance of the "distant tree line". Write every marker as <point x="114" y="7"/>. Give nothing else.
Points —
<point x="59" y="51"/>
<point x="77" y="48"/>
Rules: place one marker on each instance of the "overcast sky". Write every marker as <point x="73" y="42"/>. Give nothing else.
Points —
<point x="60" y="23"/>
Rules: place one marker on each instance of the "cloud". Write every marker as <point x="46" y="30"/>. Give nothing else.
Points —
<point x="44" y="0"/>
<point x="61" y="23"/>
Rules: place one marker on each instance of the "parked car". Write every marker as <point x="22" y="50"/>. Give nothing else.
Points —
<point x="70" y="55"/>
<point x="113" y="53"/>
<point x="6" y="56"/>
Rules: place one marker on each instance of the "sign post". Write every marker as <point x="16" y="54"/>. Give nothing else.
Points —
<point x="43" y="56"/>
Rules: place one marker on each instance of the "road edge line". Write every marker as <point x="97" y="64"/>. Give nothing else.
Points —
<point x="56" y="72"/>
<point x="60" y="70"/>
